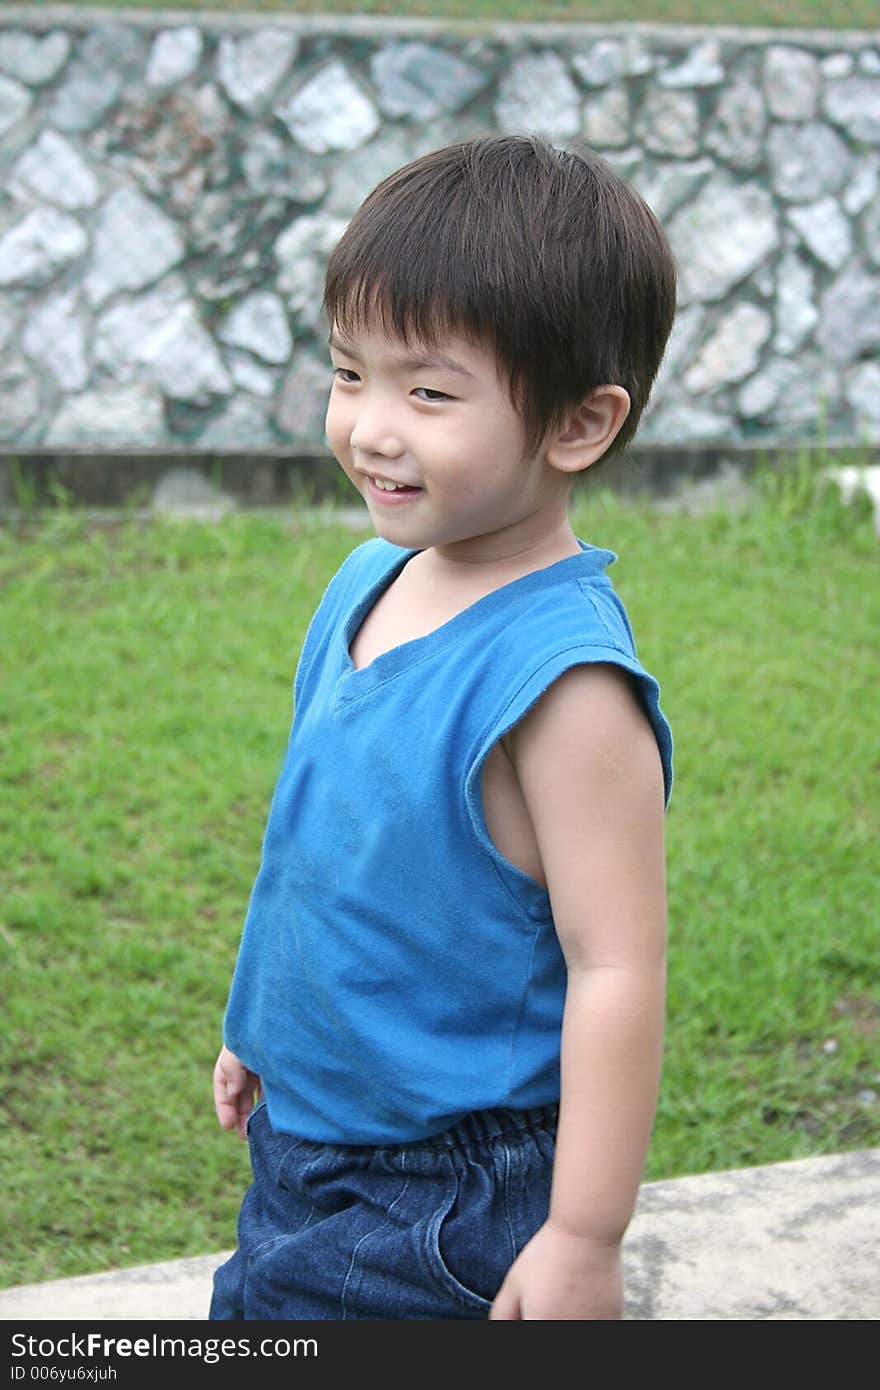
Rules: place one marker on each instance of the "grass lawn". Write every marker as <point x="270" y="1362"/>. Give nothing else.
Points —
<point x="144" y="714"/>
<point x="846" y="14"/>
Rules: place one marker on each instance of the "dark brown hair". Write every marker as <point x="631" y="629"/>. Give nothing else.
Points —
<point x="547" y="255"/>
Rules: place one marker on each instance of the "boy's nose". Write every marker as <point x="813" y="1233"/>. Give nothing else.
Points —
<point x="374" y="432"/>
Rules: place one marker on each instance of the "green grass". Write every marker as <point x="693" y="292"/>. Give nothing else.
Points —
<point x="846" y="14"/>
<point x="144" y="713"/>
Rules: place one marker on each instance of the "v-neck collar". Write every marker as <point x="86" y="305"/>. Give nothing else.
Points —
<point x="354" y="681"/>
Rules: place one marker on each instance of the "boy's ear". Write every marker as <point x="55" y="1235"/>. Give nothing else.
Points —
<point x="590" y="430"/>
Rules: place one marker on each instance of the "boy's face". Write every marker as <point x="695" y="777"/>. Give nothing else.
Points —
<point x="431" y="440"/>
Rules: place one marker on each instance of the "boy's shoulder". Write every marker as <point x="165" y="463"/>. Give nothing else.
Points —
<point x="573" y="618"/>
<point x="574" y="601"/>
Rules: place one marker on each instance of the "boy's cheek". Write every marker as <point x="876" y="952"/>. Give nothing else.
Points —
<point x="336" y="433"/>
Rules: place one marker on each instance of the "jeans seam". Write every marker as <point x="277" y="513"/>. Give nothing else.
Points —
<point x="443" y="1278"/>
<point x="366" y="1236"/>
<point x="507" y="1214"/>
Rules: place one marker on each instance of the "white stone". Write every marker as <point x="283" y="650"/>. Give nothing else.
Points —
<point x="862" y="187"/>
<point x="732" y="352"/>
<point x="111" y="417"/>
<point x="252" y="67"/>
<point x="330" y="112"/>
<point x="796" y="311"/>
<point x="791" y="82"/>
<point x="536" y="94"/>
<point x="215" y="228"/>
<point x="15" y="101"/>
<point x="637" y="58"/>
<point x="721" y="237"/>
<point x="610" y="59"/>
<point x="627" y="162"/>
<point x="837" y="65"/>
<point x="604" y="63"/>
<point x="669" y="123"/>
<point x="259" y="324"/>
<point x="19" y="401"/>
<point x="807" y="161"/>
<point x="871" y="226"/>
<point x="33" y="60"/>
<point x="855" y="105"/>
<point x="158" y="337"/>
<point x="701" y="68"/>
<point x="106" y="61"/>
<point x="869" y="61"/>
<point x="242" y="425"/>
<point x="175" y="55"/>
<point x="420" y="81"/>
<point x="740" y="123"/>
<point x="302" y="400"/>
<point x="250" y="375"/>
<point x="665" y="186"/>
<point x="53" y="169"/>
<point x="134" y="245"/>
<point x="763" y="281"/>
<point x="353" y="179"/>
<point x="849" y="326"/>
<point x="301" y="252"/>
<point x="825" y="230"/>
<point x="606" y="118"/>
<point x="862" y="388"/>
<point x="8" y="321"/>
<point x="789" y="392"/>
<point x="37" y="247"/>
<point x="678" y="423"/>
<point x="54" y="335"/>
<point x="680" y="349"/>
<point x="271" y="164"/>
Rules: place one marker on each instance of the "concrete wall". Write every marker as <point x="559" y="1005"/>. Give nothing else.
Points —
<point x="171" y="185"/>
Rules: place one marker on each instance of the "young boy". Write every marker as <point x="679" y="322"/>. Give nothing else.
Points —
<point x="450" y="987"/>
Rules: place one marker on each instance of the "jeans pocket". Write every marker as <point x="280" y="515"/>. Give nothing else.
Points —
<point x="446" y="1250"/>
<point x="257" y="1110"/>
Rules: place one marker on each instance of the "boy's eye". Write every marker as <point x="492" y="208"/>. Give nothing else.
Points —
<point x="425" y="393"/>
<point x="345" y="374"/>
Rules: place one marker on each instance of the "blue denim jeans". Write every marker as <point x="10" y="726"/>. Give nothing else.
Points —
<point x="418" y="1230"/>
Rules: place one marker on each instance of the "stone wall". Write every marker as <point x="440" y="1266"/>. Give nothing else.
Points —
<point x="171" y="185"/>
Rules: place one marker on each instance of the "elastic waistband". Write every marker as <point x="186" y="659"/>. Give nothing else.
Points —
<point x="482" y="1126"/>
<point x="473" y="1131"/>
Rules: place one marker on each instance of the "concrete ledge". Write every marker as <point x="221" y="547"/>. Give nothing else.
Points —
<point x="39" y="478"/>
<point x="49" y="16"/>
<point x="792" y="1241"/>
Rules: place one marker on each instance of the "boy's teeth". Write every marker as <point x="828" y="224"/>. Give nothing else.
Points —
<point x="386" y="486"/>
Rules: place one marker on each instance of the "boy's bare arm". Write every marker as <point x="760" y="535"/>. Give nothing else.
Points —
<point x="591" y="777"/>
<point x="235" y="1091"/>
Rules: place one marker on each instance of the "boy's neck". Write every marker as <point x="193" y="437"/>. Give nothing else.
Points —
<point x="502" y="557"/>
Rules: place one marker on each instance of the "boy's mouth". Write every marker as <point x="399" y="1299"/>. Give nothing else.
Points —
<point x="387" y="485"/>
<point x="388" y="490"/>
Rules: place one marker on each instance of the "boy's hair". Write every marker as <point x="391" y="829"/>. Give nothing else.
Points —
<point x="547" y="255"/>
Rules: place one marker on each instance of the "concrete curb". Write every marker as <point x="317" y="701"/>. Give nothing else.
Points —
<point x="792" y="1241"/>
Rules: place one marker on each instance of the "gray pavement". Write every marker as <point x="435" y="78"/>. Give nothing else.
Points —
<point x="792" y="1241"/>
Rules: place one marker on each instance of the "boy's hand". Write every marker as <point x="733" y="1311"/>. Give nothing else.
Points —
<point x="560" y="1275"/>
<point x="235" y="1091"/>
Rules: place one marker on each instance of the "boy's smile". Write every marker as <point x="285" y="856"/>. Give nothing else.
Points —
<point x="429" y="436"/>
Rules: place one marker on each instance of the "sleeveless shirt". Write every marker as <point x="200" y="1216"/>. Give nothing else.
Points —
<point x="396" y="972"/>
